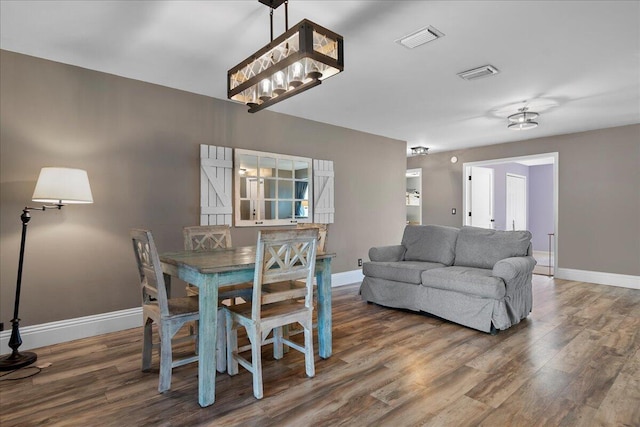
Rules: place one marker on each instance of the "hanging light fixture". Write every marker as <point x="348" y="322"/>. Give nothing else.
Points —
<point x="299" y="59"/>
<point x="419" y="150"/>
<point x="523" y="119"/>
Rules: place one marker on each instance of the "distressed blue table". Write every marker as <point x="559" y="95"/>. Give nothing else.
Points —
<point x="215" y="269"/>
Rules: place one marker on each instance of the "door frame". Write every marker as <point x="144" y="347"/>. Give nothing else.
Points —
<point x="554" y="156"/>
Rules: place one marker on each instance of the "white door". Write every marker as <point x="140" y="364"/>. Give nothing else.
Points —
<point x="255" y="192"/>
<point x="481" y="197"/>
<point x="516" y="202"/>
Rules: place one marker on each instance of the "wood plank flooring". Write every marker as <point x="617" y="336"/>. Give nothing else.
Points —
<point x="575" y="361"/>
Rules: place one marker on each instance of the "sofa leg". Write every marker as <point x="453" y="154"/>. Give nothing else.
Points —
<point x="493" y="330"/>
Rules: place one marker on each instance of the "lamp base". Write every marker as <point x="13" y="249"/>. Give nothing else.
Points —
<point x="17" y="360"/>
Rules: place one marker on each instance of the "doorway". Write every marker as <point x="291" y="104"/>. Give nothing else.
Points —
<point x="529" y="186"/>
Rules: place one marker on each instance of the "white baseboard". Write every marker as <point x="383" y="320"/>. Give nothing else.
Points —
<point x="346" y="278"/>
<point x="72" y="329"/>
<point x="83" y="327"/>
<point x="611" y="279"/>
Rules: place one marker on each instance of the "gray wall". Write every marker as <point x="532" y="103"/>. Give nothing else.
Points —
<point x="140" y="145"/>
<point x="599" y="193"/>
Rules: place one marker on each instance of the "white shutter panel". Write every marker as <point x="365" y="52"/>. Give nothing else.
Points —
<point x="216" y="174"/>
<point x="323" y="202"/>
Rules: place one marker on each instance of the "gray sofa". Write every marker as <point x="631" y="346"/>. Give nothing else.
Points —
<point x="476" y="277"/>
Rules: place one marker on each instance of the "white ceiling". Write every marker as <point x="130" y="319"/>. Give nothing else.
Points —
<point x="577" y="63"/>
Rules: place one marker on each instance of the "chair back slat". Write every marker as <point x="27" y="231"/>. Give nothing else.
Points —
<point x="152" y="283"/>
<point x="283" y="255"/>
<point x="206" y="237"/>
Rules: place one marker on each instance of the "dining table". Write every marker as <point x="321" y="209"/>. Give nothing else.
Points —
<point x="212" y="270"/>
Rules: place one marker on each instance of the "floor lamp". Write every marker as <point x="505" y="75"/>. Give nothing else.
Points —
<point x="59" y="187"/>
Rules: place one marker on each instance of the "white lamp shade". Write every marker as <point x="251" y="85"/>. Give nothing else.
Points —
<point x="63" y="185"/>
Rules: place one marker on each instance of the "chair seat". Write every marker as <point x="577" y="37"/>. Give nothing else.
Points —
<point x="243" y="290"/>
<point x="277" y="309"/>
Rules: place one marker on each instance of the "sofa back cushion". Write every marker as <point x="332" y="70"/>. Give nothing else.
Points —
<point x="482" y="248"/>
<point x="431" y="243"/>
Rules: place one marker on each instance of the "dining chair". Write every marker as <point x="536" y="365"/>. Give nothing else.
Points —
<point x="296" y="287"/>
<point x="281" y="256"/>
<point x="169" y="314"/>
<point x="207" y="237"/>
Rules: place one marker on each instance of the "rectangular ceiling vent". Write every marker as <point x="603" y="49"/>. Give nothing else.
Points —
<point x="420" y="37"/>
<point x="478" y="73"/>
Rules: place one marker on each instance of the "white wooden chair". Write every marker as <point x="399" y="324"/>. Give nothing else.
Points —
<point x="207" y="237"/>
<point x="297" y="287"/>
<point x="281" y="256"/>
<point x="170" y="315"/>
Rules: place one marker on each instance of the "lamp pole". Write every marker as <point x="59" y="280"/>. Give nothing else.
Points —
<point x="17" y="360"/>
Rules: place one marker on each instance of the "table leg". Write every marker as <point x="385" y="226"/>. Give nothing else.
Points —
<point x="208" y="329"/>
<point x="167" y="284"/>
<point x="323" y="278"/>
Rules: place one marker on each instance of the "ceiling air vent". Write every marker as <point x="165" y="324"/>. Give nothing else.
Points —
<point x="420" y="37"/>
<point x="478" y="73"/>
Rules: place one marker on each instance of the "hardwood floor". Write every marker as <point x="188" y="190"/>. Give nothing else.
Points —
<point x="575" y="361"/>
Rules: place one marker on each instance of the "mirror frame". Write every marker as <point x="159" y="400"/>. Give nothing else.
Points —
<point x="239" y="175"/>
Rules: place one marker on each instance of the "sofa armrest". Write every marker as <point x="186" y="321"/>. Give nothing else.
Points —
<point x="510" y="268"/>
<point x="387" y="253"/>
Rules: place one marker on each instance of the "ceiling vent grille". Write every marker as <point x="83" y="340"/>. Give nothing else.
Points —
<point x="478" y="73"/>
<point x="420" y="37"/>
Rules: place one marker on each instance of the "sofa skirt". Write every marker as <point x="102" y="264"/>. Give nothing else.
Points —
<point x="390" y="293"/>
<point x="465" y="309"/>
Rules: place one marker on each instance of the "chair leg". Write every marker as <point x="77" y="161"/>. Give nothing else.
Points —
<point x="308" y="348"/>
<point x="277" y="343"/>
<point x="255" y="336"/>
<point x="147" y="344"/>
<point x="221" y="343"/>
<point x="232" y="345"/>
<point x="165" y="358"/>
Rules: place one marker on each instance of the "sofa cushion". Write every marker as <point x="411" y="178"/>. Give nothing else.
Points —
<point x="468" y="280"/>
<point x="401" y="271"/>
<point x="482" y="247"/>
<point x="431" y="243"/>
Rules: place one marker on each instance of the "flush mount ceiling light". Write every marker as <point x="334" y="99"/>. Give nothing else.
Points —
<point x="523" y="120"/>
<point x="299" y="59"/>
<point x="419" y="150"/>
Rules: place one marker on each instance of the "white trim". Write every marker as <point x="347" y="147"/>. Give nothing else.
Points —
<point x="83" y="327"/>
<point x="599" y="277"/>
<point x="72" y="329"/>
<point x="346" y="278"/>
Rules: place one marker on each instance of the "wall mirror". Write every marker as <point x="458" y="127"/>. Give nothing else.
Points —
<point x="271" y="189"/>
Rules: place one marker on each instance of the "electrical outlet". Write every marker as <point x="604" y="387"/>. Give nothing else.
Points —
<point x="359" y="262"/>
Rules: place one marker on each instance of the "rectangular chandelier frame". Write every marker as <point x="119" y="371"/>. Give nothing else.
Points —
<point x="297" y="60"/>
